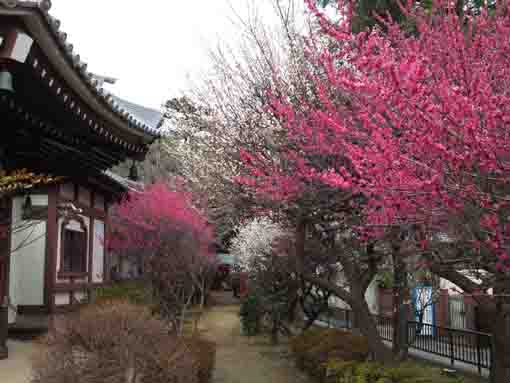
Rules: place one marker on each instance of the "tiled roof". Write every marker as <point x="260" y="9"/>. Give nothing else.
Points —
<point x="126" y="183"/>
<point x="150" y="117"/>
<point x="117" y="106"/>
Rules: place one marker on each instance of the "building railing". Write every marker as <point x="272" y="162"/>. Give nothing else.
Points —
<point x="465" y="346"/>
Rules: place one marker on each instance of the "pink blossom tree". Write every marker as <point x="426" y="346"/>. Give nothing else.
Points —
<point x="163" y="226"/>
<point x="415" y="128"/>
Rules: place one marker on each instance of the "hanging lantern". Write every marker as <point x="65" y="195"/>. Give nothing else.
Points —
<point x="133" y="173"/>
<point x="27" y="208"/>
<point x="6" y="81"/>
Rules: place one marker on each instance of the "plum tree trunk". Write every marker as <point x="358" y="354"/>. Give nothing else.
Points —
<point x="400" y="306"/>
<point x="500" y="328"/>
<point x="367" y="325"/>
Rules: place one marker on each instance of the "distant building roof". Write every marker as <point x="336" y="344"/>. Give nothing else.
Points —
<point x="126" y="183"/>
<point x="150" y="117"/>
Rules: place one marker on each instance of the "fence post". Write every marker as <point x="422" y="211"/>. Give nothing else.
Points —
<point x="452" y="355"/>
<point x="491" y="369"/>
<point x="406" y="336"/>
<point x="478" y="354"/>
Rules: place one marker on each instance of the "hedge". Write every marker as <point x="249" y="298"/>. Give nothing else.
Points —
<point x="315" y="347"/>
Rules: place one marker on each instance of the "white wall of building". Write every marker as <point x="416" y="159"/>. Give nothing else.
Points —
<point x="80" y="296"/>
<point x="62" y="299"/>
<point x="99" y="253"/>
<point x="371" y="296"/>
<point x="28" y="257"/>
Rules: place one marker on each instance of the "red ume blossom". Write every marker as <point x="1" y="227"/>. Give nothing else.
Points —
<point x="417" y="121"/>
<point x="154" y="220"/>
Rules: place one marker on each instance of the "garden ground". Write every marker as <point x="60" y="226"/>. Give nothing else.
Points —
<point x="242" y="359"/>
<point x="17" y="369"/>
<point x="239" y="359"/>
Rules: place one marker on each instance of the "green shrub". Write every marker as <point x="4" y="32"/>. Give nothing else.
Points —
<point x="136" y="292"/>
<point x="315" y="347"/>
<point x="251" y="315"/>
<point x="339" y="371"/>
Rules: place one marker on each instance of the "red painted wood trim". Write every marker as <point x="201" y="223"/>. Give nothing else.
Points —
<point x="91" y="248"/>
<point x="10" y="35"/>
<point x="51" y="250"/>
<point x="106" y="260"/>
<point x="68" y="287"/>
<point x="91" y="239"/>
<point x="86" y="210"/>
<point x="71" y="276"/>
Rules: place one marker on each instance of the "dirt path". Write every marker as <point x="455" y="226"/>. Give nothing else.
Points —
<point x="246" y="360"/>
<point x="18" y="367"/>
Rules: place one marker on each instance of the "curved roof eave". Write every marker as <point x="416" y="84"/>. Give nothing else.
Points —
<point x="45" y="30"/>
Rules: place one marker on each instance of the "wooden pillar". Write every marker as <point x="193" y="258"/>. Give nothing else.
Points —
<point x="5" y="250"/>
<point x="51" y="251"/>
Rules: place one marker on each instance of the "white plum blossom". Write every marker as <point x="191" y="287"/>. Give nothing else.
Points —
<point x="255" y="239"/>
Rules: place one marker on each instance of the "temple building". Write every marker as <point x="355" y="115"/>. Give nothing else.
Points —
<point x="56" y="118"/>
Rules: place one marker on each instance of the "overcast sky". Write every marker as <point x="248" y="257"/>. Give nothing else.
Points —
<point x="152" y="46"/>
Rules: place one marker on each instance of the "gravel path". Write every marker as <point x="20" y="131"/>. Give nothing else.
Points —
<point x="245" y="360"/>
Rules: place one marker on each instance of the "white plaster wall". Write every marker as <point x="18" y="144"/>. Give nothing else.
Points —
<point x="371" y="296"/>
<point x="26" y="284"/>
<point x="98" y="252"/>
<point x="75" y="225"/>
<point x="62" y="299"/>
<point x="80" y="296"/>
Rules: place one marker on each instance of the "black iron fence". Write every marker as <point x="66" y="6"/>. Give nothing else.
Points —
<point x="470" y="347"/>
<point x="465" y="346"/>
<point x="385" y="327"/>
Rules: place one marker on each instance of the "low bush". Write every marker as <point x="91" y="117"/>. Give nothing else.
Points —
<point x="315" y="347"/>
<point x="205" y="353"/>
<point x="339" y="371"/>
<point x="120" y="342"/>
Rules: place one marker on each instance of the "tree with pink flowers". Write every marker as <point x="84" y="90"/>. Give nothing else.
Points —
<point x="163" y="226"/>
<point x="411" y="130"/>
